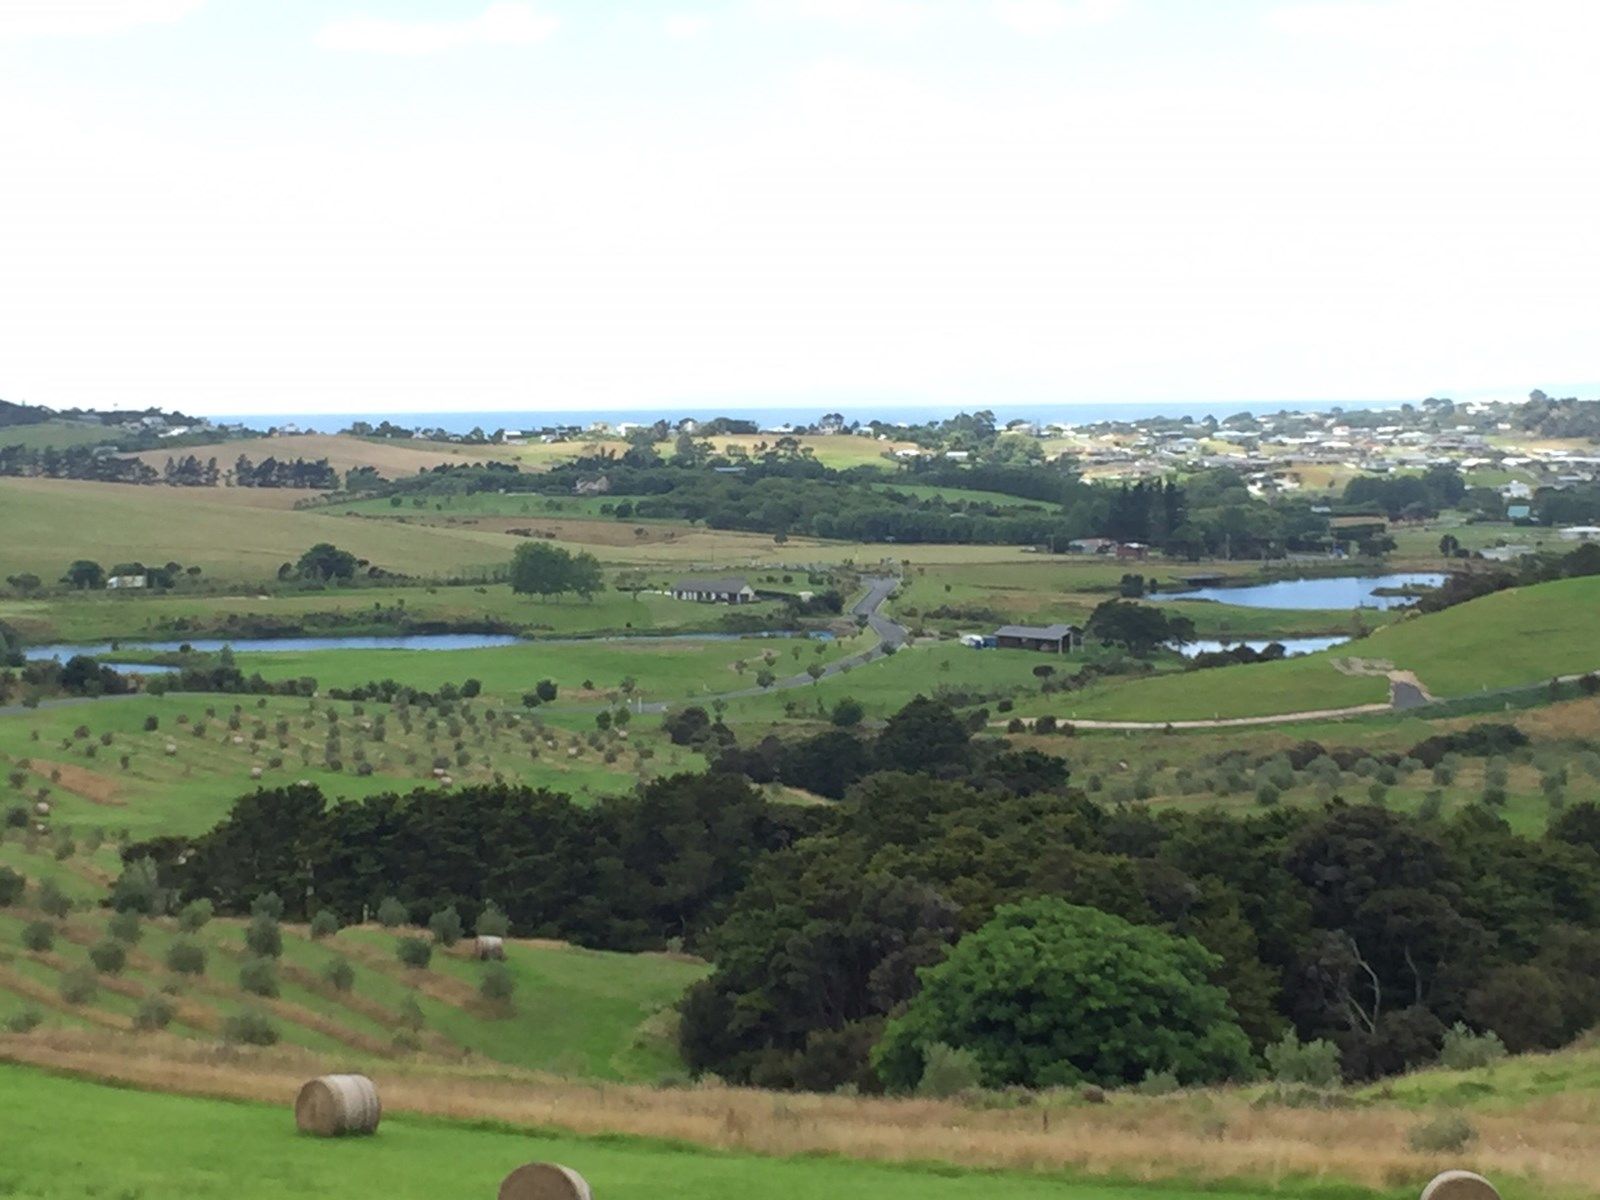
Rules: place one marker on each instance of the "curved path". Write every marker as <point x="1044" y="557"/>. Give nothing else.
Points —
<point x="890" y="634"/>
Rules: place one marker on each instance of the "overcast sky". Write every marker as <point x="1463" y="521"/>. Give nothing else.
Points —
<point x="390" y="205"/>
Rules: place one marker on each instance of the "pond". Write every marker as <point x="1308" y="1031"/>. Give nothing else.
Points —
<point x="415" y="641"/>
<point x="1347" y="591"/>
<point x="1291" y="645"/>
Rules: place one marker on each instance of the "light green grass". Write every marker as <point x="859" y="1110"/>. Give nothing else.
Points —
<point x="58" y="435"/>
<point x="244" y="1151"/>
<point x="94" y="616"/>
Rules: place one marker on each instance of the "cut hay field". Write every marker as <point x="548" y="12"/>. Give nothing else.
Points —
<point x="234" y="534"/>
<point x="581" y="1013"/>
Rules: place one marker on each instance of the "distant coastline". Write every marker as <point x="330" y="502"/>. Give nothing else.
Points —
<point x="1074" y="414"/>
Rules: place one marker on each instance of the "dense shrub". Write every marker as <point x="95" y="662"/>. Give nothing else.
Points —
<point x="154" y="1012"/>
<point x="948" y="1071"/>
<point x="186" y="958"/>
<point x="108" y="956"/>
<point x="414" y="951"/>
<point x="249" y="1028"/>
<point x="194" y="916"/>
<point x="325" y="924"/>
<point x="259" y="976"/>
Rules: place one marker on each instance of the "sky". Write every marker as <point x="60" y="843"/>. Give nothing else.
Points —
<point x="293" y="206"/>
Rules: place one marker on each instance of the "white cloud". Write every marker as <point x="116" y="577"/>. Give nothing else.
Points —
<point x="86" y="18"/>
<point x="507" y="24"/>
<point x="683" y="27"/>
<point x="894" y="16"/>
<point x="1036" y="17"/>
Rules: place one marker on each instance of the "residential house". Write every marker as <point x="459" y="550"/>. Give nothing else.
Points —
<point x="731" y="590"/>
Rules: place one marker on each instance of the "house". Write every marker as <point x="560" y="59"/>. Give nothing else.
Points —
<point x="592" y="487"/>
<point x="1051" y="639"/>
<point x="1581" y="533"/>
<point x="1091" y="545"/>
<point x="117" y="582"/>
<point x="732" y="590"/>
<point x="1133" y="550"/>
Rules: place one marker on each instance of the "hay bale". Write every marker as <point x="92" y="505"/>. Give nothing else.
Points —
<point x="172" y="749"/>
<point x="336" y="1105"/>
<point x="255" y="772"/>
<point x="489" y="947"/>
<point x="544" y="1181"/>
<point x="1459" y="1185"/>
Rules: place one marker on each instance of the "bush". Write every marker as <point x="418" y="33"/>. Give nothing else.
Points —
<point x="249" y="1029"/>
<point x="38" y="936"/>
<point x="195" y="915"/>
<point x="155" y="1012"/>
<point x="1315" y="1064"/>
<point x="23" y="1022"/>
<point x="339" y="975"/>
<point x="497" y="984"/>
<point x="186" y="957"/>
<point x="268" y="904"/>
<point x="949" y="1071"/>
<point x="108" y="956"/>
<point x="264" y="936"/>
<point x="1044" y="724"/>
<point x="1157" y="1083"/>
<point x="12" y="885"/>
<point x="324" y="924"/>
<point x="259" y="977"/>
<point x="492" y="922"/>
<point x="79" y="987"/>
<point x="414" y="951"/>
<point x="445" y="925"/>
<point x="53" y="900"/>
<point x="1449" y="1133"/>
<point x="391" y="913"/>
<point x="1463" y="1049"/>
<point x="847" y="713"/>
<point x="125" y="927"/>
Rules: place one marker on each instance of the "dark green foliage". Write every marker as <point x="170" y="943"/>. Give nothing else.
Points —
<point x="264" y="936"/>
<point x="492" y="921"/>
<point x="250" y="1028"/>
<point x="923" y="736"/>
<point x="339" y="974"/>
<point x="1141" y="629"/>
<point x="52" y="900"/>
<point x="125" y="927"/>
<point x="79" y="986"/>
<point x="155" y="1012"/>
<point x="38" y="936"/>
<point x="269" y="905"/>
<point x="391" y="913"/>
<point x="1106" y="1002"/>
<point x="195" y="915"/>
<point x="325" y="924"/>
<point x="259" y="976"/>
<point x="108" y="956"/>
<point x="414" y="951"/>
<point x="497" y="985"/>
<point x="186" y="957"/>
<point x="540" y="569"/>
<point x="445" y="925"/>
<point x="847" y="713"/>
<point x="12" y="887"/>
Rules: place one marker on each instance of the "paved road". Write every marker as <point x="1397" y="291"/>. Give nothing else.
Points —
<point x="889" y="634"/>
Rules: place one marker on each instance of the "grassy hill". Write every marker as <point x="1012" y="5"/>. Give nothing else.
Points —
<point x="233" y="533"/>
<point x="574" y="1012"/>
<point x="1513" y="638"/>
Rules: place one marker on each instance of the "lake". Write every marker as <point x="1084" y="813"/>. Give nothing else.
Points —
<point x="1347" y="591"/>
<point x="416" y="641"/>
<point x="1291" y="645"/>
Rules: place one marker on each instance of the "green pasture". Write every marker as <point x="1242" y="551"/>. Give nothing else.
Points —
<point x="59" y="435"/>
<point x="99" y="616"/>
<point x="249" y="1151"/>
<point x="192" y="788"/>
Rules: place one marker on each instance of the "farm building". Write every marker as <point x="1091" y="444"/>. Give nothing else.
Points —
<point x="1051" y="639"/>
<point x="126" y="581"/>
<point x="732" y="590"/>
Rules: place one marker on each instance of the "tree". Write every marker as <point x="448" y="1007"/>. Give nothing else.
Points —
<point x="924" y="735"/>
<point x="445" y="925"/>
<point x="326" y="561"/>
<point x="1050" y="993"/>
<point x="1141" y="628"/>
<point x="847" y="712"/>
<point x="85" y="574"/>
<point x="540" y="569"/>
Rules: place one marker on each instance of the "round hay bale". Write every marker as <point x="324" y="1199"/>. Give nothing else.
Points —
<point x="1459" y="1185"/>
<point x="172" y="748"/>
<point x="336" y="1105"/>
<point x="255" y="772"/>
<point x="490" y="947"/>
<point x="544" y="1181"/>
